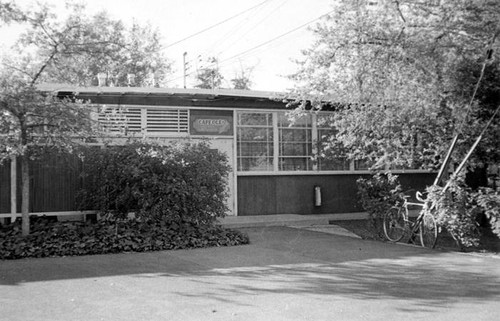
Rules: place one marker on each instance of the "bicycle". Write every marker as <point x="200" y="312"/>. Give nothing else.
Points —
<point x="396" y="223"/>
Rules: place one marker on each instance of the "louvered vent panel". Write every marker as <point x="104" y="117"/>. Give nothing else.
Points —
<point x="167" y="121"/>
<point x="121" y="119"/>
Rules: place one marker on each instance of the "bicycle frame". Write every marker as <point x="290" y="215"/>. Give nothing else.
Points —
<point x="415" y="226"/>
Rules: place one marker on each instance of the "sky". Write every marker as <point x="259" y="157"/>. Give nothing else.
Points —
<point x="259" y="36"/>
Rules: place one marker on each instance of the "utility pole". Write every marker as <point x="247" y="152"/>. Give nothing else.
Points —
<point x="185" y="67"/>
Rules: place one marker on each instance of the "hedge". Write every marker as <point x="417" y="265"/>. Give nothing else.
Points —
<point x="183" y="182"/>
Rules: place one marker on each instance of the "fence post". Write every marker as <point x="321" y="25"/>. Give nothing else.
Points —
<point x="13" y="188"/>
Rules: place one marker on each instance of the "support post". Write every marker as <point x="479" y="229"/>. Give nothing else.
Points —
<point x="13" y="187"/>
<point x="184" y="67"/>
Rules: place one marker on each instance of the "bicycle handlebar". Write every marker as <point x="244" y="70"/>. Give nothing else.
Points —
<point x="419" y="197"/>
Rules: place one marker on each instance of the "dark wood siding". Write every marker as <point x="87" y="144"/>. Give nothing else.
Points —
<point x="5" y="187"/>
<point x="54" y="181"/>
<point x="294" y="194"/>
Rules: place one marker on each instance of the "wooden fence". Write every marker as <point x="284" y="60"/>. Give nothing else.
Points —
<point x="54" y="183"/>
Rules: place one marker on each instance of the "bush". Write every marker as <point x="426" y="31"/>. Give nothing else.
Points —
<point x="455" y="210"/>
<point x="378" y="194"/>
<point x="50" y="238"/>
<point x="488" y="202"/>
<point x="177" y="182"/>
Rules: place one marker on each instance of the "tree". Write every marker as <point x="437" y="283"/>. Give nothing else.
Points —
<point x="210" y="77"/>
<point x="392" y="69"/>
<point x="87" y="45"/>
<point x="31" y="121"/>
<point x="241" y="82"/>
<point x="242" y="79"/>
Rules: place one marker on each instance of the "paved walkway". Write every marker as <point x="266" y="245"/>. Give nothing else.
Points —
<point x="288" y="219"/>
<point x="286" y="273"/>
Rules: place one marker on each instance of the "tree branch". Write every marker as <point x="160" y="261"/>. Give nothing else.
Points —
<point x="35" y="78"/>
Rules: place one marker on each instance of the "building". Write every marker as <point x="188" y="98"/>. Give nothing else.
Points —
<point x="274" y="168"/>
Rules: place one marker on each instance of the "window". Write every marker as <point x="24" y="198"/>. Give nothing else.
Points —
<point x="144" y="120"/>
<point x="120" y="120"/>
<point x="295" y="143"/>
<point x="167" y="120"/>
<point x="273" y="141"/>
<point x="330" y="158"/>
<point x="255" y="141"/>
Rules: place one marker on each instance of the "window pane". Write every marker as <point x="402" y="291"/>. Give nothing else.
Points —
<point x="333" y="164"/>
<point x="255" y="142"/>
<point x="295" y="163"/>
<point x="255" y="119"/>
<point x="255" y="149"/>
<point x="362" y="164"/>
<point x="288" y="120"/>
<point x="295" y="135"/>
<point x="255" y="163"/>
<point x="255" y="134"/>
<point x="332" y="157"/>
<point x="295" y="143"/>
<point x="296" y="149"/>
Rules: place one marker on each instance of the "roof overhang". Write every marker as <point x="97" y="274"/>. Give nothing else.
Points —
<point x="171" y="96"/>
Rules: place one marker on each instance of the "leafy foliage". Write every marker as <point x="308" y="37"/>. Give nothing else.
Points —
<point x="74" y="48"/>
<point x="178" y="182"/>
<point x="377" y="195"/>
<point x="50" y="238"/>
<point x="242" y="79"/>
<point x="71" y="50"/>
<point x="454" y="210"/>
<point x="488" y="201"/>
<point x="210" y="77"/>
<point x="31" y="120"/>
<point x="397" y="67"/>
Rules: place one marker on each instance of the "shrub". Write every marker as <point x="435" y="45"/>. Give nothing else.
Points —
<point x="177" y="182"/>
<point x="488" y="202"/>
<point x="377" y="195"/>
<point x="455" y="210"/>
<point x="50" y="238"/>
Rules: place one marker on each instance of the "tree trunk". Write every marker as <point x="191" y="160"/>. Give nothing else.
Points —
<point x="25" y="196"/>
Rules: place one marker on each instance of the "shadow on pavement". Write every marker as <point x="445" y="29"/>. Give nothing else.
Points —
<point x="287" y="260"/>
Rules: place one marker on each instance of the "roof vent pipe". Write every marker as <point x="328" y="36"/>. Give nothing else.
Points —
<point x="156" y="79"/>
<point x="101" y="79"/>
<point x="131" y="80"/>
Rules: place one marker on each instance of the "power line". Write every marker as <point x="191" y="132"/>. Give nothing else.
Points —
<point x="237" y="27"/>
<point x="276" y="38"/>
<point x="215" y="25"/>
<point x="255" y="24"/>
<point x="262" y="44"/>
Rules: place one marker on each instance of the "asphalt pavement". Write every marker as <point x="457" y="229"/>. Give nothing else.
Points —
<point x="286" y="273"/>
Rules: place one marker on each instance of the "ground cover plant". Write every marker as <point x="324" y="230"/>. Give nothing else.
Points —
<point x="50" y="238"/>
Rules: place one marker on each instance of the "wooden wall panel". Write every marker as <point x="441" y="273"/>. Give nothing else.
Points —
<point x="256" y="195"/>
<point x="55" y="181"/>
<point x="294" y="194"/>
<point x="5" y="187"/>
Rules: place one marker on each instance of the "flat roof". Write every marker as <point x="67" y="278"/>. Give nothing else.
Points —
<point x="162" y="91"/>
<point x="193" y="97"/>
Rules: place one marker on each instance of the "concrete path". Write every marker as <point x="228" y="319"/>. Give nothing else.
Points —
<point x="285" y="274"/>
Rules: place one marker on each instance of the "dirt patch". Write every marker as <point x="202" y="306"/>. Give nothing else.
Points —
<point x="489" y="243"/>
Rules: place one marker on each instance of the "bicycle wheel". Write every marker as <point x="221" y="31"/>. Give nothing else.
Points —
<point x="428" y="231"/>
<point x="394" y="224"/>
